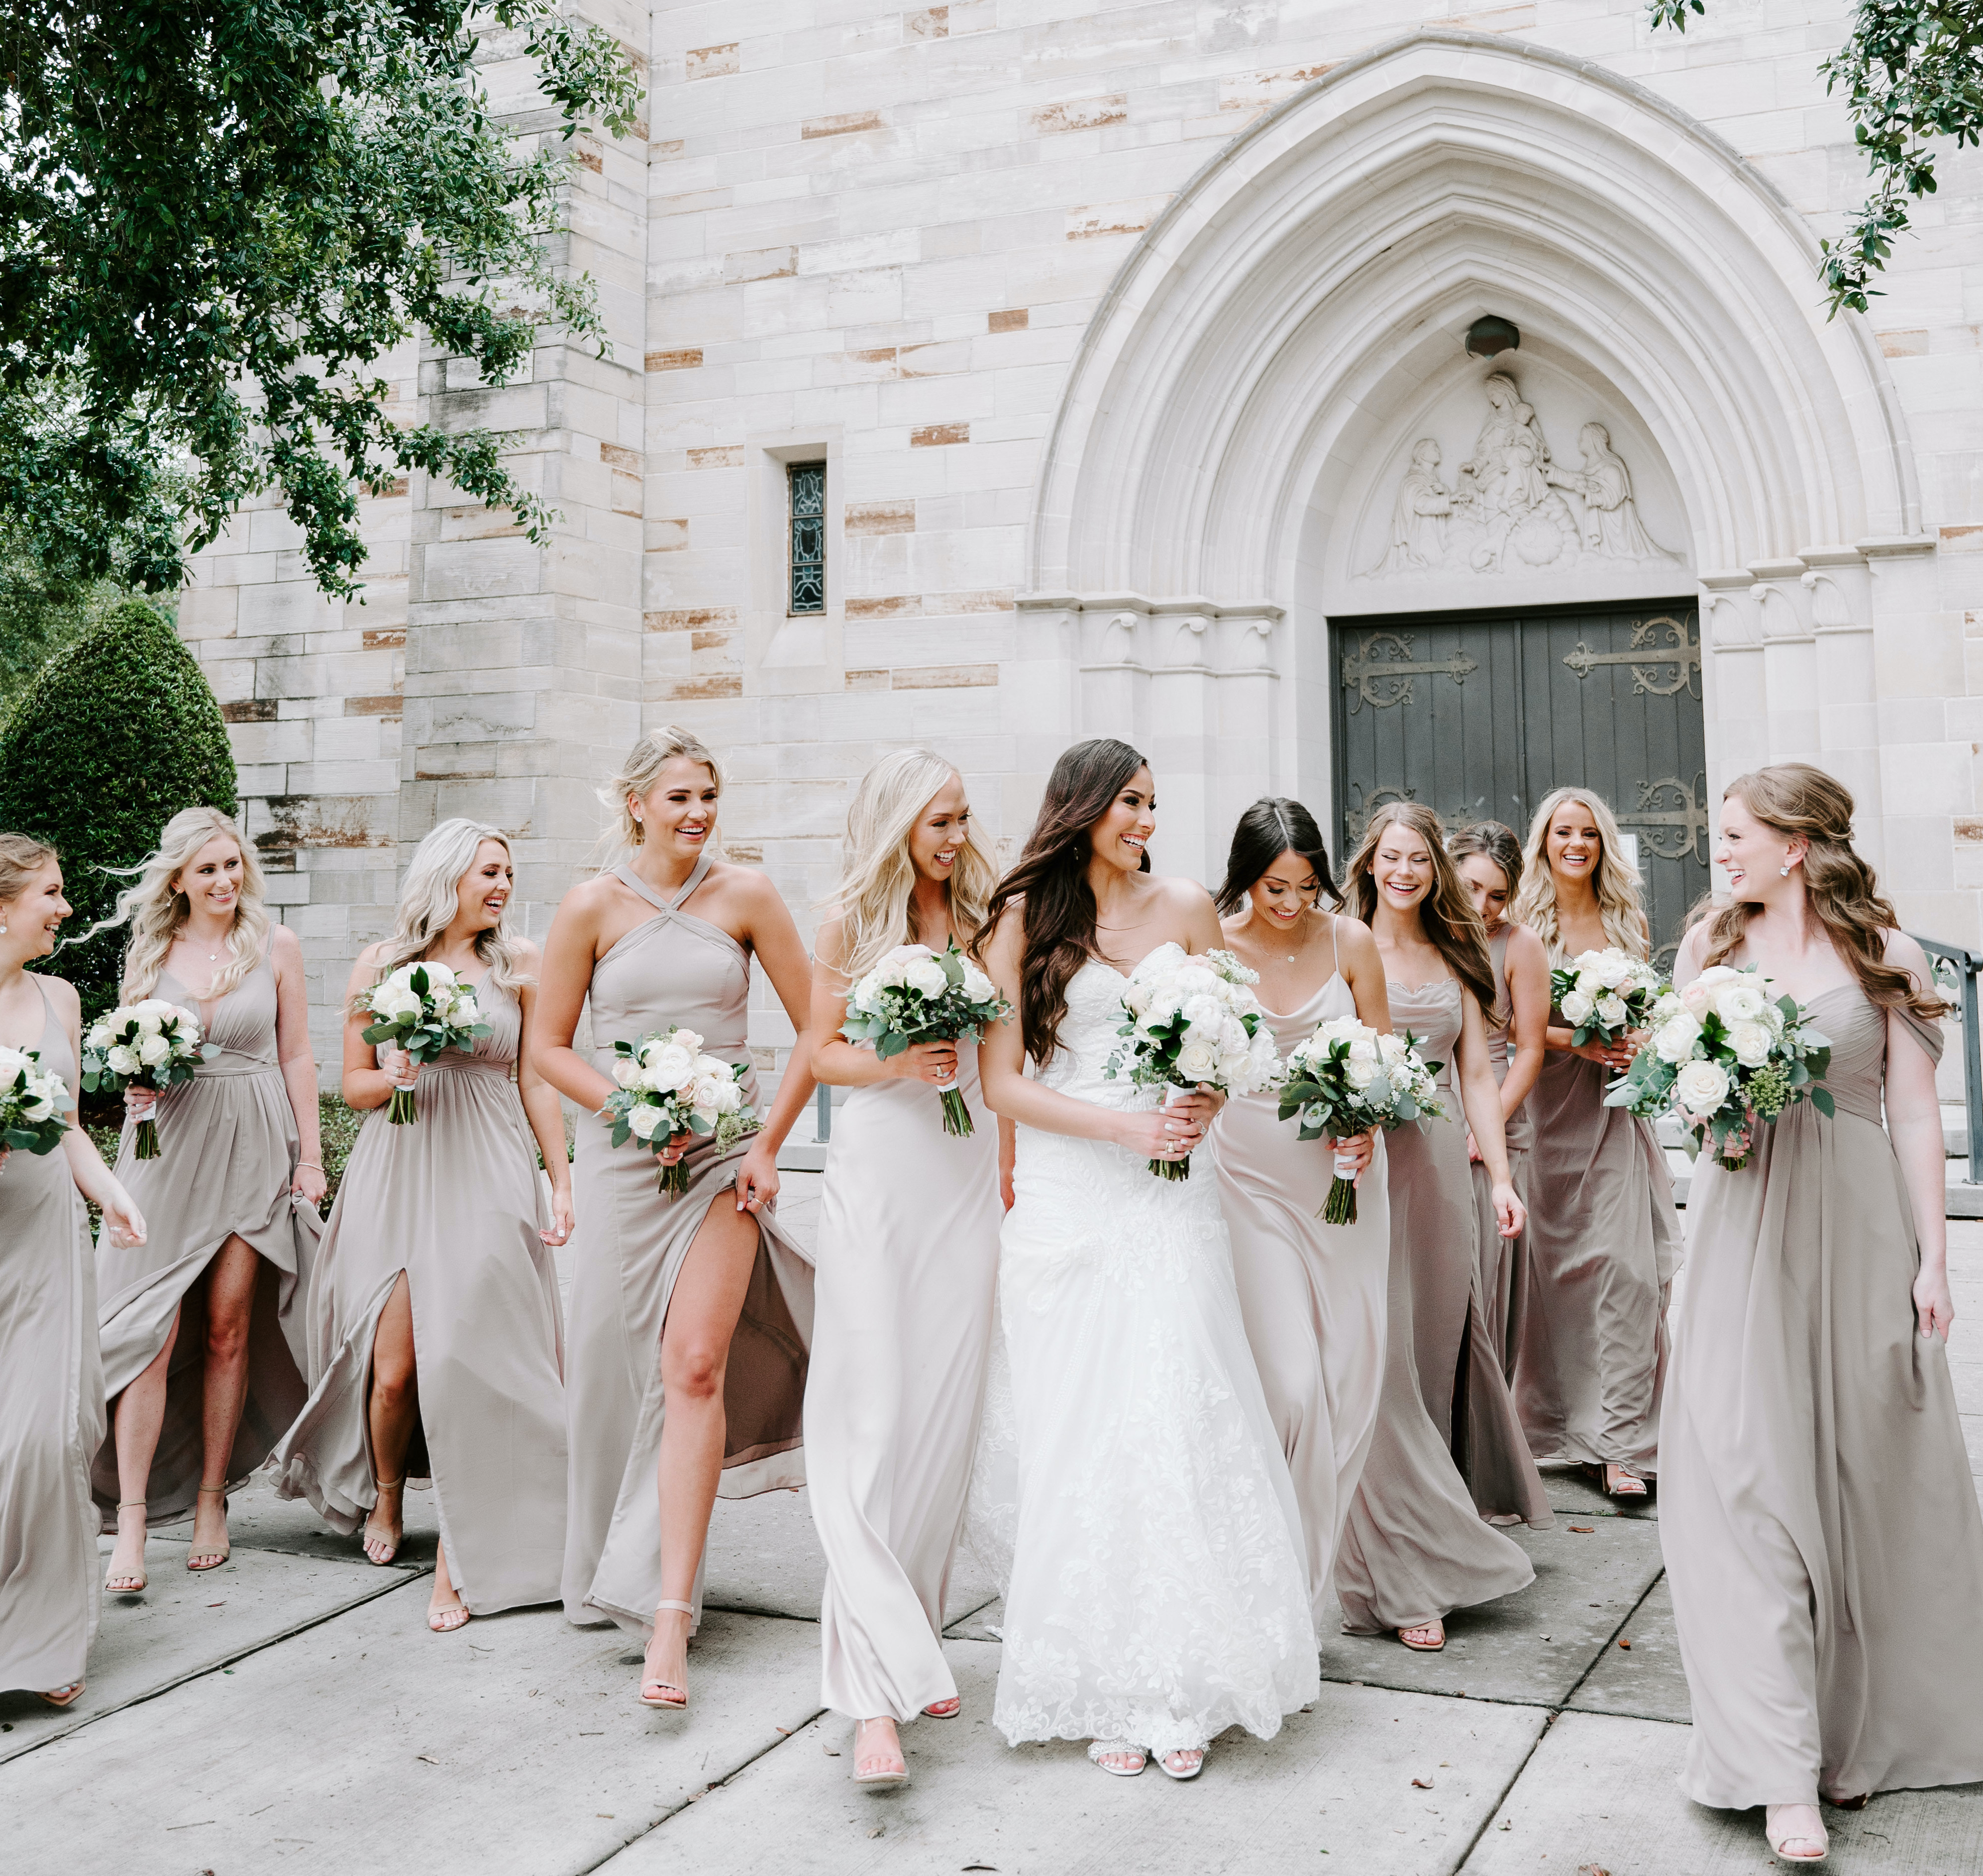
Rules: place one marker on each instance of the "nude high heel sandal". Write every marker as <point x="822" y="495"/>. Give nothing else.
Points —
<point x="1795" y="1846"/>
<point x="214" y="1559"/>
<point x="131" y="1583"/>
<point x="886" y="1778"/>
<point x="658" y="1693"/>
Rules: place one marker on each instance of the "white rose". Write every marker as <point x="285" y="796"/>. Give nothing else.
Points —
<point x="1751" y="1043"/>
<point x="1193" y="980"/>
<point x="979" y="987"/>
<point x="1668" y="1007"/>
<point x="1198" y="1062"/>
<point x="1613" y="969"/>
<point x="13" y="1062"/>
<point x="927" y="978"/>
<point x="438" y="976"/>
<point x="151" y="1018"/>
<point x="39" y="1108"/>
<point x="1391" y="1048"/>
<point x="1677" y="1036"/>
<point x="121" y="1060"/>
<point x="1611" y="1011"/>
<point x="729" y="1097"/>
<point x="1738" y="1003"/>
<point x="646" y="1121"/>
<point x="708" y="1091"/>
<point x="1363" y="1049"/>
<point x="1717" y="974"/>
<point x="627" y="1072"/>
<point x="892" y="971"/>
<point x="98" y="1039"/>
<point x="866" y="993"/>
<point x="1202" y="1011"/>
<point x="668" y="1068"/>
<point x="1135" y="997"/>
<point x="153" y="1050"/>
<point x="1577" y="1009"/>
<point x="688" y="1039"/>
<point x="1701" y="1087"/>
<point x="1359" y="1074"/>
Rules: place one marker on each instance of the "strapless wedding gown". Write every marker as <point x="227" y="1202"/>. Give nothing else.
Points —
<point x="1156" y="1590"/>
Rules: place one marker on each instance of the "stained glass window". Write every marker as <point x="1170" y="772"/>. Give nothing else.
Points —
<point x="807" y="481"/>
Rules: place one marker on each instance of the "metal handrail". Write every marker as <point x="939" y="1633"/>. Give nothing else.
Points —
<point x="1964" y="964"/>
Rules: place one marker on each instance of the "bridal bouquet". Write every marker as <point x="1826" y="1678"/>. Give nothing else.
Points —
<point x="31" y="1101"/>
<point x="1604" y="993"/>
<point x="1347" y="1078"/>
<point x="421" y="1008"/>
<point x="1724" y="1055"/>
<point x="153" y="1044"/>
<point x="1193" y="1021"/>
<point x="667" y="1086"/>
<point x="915" y="995"/>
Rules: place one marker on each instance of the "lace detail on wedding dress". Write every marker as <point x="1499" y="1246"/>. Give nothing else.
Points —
<point x="1128" y="1480"/>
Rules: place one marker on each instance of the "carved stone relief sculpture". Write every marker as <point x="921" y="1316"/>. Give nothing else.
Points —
<point x="1512" y="507"/>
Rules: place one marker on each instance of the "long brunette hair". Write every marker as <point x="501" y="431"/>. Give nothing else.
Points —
<point x="1050" y="879"/>
<point x="1275" y="824"/>
<point x="1795" y="799"/>
<point x="1446" y="912"/>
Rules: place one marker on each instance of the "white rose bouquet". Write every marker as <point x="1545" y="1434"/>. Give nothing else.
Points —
<point x="1347" y="1078"/>
<point x="667" y="1086"/>
<point x="422" y="1008"/>
<point x="153" y="1044"/>
<point x="1724" y="1055"/>
<point x="31" y="1101"/>
<point x="1193" y="1021"/>
<point x="915" y="995"/>
<point x="1604" y="993"/>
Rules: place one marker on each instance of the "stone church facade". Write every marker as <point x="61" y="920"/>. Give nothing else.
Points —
<point x="1334" y="400"/>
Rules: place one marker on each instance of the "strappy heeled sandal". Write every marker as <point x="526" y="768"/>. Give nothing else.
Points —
<point x="1424" y="1628"/>
<point x="1628" y="1485"/>
<point x="129" y="1584"/>
<point x="887" y="1779"/>
<point x="1195" y="1754"/>
<point x="1100" y="1751"/>
<point x="1811" y="1848"/>
<point x="943" y="1710"/>
<point x="62" y="1696"/>
<point x="214" y="1558"/>
<point x="365" y="1540"/>
<point x="656" y="1692"/>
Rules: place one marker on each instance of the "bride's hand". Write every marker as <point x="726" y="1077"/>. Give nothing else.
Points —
<point x="1200" y="1105"/>
<point x="1162" y="1133"/>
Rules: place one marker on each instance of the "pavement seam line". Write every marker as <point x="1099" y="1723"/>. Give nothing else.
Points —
<point x="407" y="1575"/>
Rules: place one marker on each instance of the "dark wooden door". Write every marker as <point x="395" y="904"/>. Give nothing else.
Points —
<point x="1481" y="714"/>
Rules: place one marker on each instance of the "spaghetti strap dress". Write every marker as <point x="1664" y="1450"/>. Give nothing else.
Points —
<point x="629" y="1241"/>
<point x="1447" y="1452"/>
<point x="1504" y="1262"/>
<point x="1604" y="1243"/>
<point x="228" y="1149"/>
<point x="907" y="1256"/>
<point x="1817" y="1512"/>
<point x="52" y="1409"/>
<point x="453" y="1200"/>
<point x="1312" y="1294"/>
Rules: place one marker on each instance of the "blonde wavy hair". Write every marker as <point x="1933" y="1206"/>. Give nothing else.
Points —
<point x="877" y="876"/>
<point x="638" y="774"/>
<point x="1618" y="904"/>
<point x="1797" y="800"/>
<point x="431" y="897"/>
<point x="154" y="907"/>
<point x="21" y="857"/>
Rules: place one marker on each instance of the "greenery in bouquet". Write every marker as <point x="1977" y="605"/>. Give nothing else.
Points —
<point x="1603" y="994"/>
<point x="1725" y="1056"/>
<point x="32" y="1102"/>
<point x="915" y="995"/>
<point x="153" y="1044"/>
<point x="666" y="1087"/>
<point x="1347" y="1078"/>
<point x="423" y="1008"/>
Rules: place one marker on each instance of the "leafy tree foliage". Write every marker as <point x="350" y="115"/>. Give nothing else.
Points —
<point x="110" y="739"/>
<point x="217" y="215"/>
<point x="41" y="612"/>
<point x="1912" y="71"/>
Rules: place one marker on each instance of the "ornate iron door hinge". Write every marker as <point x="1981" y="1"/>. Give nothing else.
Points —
<point x="1683" y="660"/>
<point x="1365" y="670"/>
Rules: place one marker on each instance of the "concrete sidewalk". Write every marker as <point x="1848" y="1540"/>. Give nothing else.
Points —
<point x="291" y="1711"/>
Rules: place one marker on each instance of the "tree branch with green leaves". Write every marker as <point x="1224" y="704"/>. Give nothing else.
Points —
<point x="218" y="217"/>
<point x="1912" y="71"/>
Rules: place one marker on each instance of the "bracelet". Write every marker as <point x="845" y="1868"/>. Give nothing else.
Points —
<point x="315" y="1165"/>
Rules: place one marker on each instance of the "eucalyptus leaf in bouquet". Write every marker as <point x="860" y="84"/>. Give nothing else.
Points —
<point x="914" y="994"/>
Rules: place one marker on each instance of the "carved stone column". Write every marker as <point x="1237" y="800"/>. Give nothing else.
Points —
<point x="1790" y="659"/>
<point x="1738" y="727"/>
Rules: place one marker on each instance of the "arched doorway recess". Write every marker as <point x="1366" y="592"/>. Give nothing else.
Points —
<point x="1255" y="379"/>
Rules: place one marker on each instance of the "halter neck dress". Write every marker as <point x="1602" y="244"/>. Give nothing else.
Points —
<point x="51" y="1408"/>
<point x="454" y="1201"/>
<point x="1504" y="1262"/>
<point x="228" y="1149"/>
<point x="1312" y="1294"/>
<point x="629" y="1245"/>
<point x="908" y="1261"/>
<point x="1604" y="1242"/>
<point x="1447" y="1452"/>
<point x="1817" y="1512"/>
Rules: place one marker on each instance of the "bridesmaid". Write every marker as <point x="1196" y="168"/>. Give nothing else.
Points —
<point x="908" y="1255"/>
<point x="1448" y="1450"/>
<point x="1818" y="1518"/>
<point x="1490" y="859"/>
<point x="435" y="1343"/>
<point x="203" y="1353"/>
<point x="1313" y="1294"/>
<point x="1603" y="1238"/>
<point x="691" y="1316"/>
<point x="52" y="1413"/>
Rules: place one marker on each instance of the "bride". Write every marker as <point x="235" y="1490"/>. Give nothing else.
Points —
<point x="1156" y="1594"/>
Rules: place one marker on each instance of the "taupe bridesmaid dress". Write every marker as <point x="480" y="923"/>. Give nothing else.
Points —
<point x="908" y="1259"/>
<point x="51" y="1410"/>
<point x="454" y="1201"/>
<point x="1312" y="1294"/>
<point x="1504" y="1262"/>
<point x="1603" y="1244"/>
<point x="1817" y="1511"/>
<point x="629" y="1245"/>
<point x="1447" y="1452"/>
<point x="228" y="1152"/>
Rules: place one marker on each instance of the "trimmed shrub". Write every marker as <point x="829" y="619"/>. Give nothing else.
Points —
<point x="109" y="740"/>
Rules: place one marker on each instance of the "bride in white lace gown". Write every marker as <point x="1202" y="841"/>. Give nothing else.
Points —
<point x="1156" y="1593"/>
